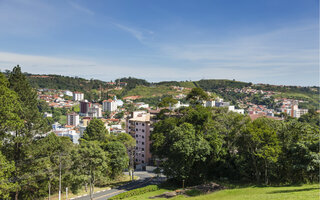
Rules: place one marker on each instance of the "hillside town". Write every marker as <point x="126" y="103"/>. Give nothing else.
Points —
<point x="139" y="120"/>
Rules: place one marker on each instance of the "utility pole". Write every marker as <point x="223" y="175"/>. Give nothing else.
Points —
<point x="49" y="189"/>
<point x="60" y="176"/>
<point x="66" y="193"/>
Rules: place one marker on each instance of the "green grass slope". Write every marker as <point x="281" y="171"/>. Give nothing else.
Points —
<point x="147" y="92"/>
<point x="304" y="192"/>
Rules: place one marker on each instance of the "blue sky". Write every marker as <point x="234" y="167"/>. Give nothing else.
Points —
<point x="274" y="41"/>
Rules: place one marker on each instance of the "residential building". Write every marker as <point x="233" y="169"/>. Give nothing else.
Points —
<point x="84" y="107"/>
<point x="95" y="111"/>
<point x="210" y="103"/>
<point x="109" y="105"/>
<point x="68" y="93"/>
<point x="222" y="104"/>
<point x="177" y="105"/>
<point x="82" y="129"/>
<point x="47" y="114"/>
<point x="72" y="134"/>
<point x="142" y="105"/>
<point x="78" y="96"/>
<point x="73" y="119"/>
<point x="138" y="126"/>
<point x="232" y="108"/>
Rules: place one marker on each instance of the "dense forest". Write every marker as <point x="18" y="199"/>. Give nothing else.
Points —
<point x="199" y="144"/>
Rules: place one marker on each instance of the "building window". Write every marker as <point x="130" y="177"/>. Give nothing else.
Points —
<point x="142" y="124"/>
<point x="142" y="136"/>
<point x="136" y="129"/>
<point x="142" y="143"/>
<point x="142" y="161"/>
<point x="137" y="148"/>
<point x="136" y="123"/>
<point x="142" y="130"/>
<point x="142" y="149"/>
<point x="137" y="142"/>
<point x="136" y="160"/>
<point x="142" y="155"/>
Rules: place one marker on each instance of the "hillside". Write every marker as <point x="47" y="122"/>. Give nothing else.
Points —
<point x="152" y="92"/>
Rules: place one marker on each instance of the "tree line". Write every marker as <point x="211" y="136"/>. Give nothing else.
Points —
<point x="35" y="164"/>
<point x="198" y="144"/>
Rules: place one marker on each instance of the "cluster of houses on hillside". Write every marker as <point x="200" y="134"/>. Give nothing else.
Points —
<point x="139" y="123"/>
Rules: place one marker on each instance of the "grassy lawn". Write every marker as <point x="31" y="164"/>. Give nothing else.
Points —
<point x="63" y="119"/>
<point x="304" y="192"/>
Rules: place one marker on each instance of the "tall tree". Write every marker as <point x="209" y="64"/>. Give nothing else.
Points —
<point x="187" y="151"/>
<point x="91" y="162"/>
<point x="9" y="109"/>
<point x="22" y="137"/>
<point x="197" y="96"/>
<point x="167" y="101"/>
<point x="117" y="156"/>
<point x="6" y="170"/>
<point x="260" y="144"/>
<point x="96" y="130"/>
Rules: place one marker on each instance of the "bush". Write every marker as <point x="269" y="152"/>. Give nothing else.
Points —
<point x="135" y="192"/>
<point x="193" y="192"/>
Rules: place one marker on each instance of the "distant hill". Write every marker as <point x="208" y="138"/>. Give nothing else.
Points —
<point x="65" y="82"/>
<point x="153" y="91"/>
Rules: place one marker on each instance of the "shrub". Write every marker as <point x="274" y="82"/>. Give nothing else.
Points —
<point x="193" y="192"/>
<point x="135" y="192"/>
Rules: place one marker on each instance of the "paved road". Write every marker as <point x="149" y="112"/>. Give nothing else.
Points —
<point x="146" y="178"/>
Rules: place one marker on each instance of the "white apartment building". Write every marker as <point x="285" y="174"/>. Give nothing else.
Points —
<point x="68" y="93"/>
<point x="95" y="111"/>
<point x="73" y="119"/>
<point x="78" y="96"/>
<point x="138" y="126"/>
<point x="210" y="103"/>
<point x="232" y="108"/>
<point x="110" y="105"/>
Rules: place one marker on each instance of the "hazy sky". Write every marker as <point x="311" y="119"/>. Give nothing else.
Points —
<point x="262" y="41"/>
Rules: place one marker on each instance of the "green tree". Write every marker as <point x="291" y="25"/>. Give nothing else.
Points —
<point x="300" y="155"/>
<point x="117" y="156"/>
<point x="48" y="157"/>
<point x="187" y="150"/>
<point x="197" y="96"/>
<point x="91" y="163"/>
<point x="261" y="145"/>
<point x="28" y="99"/>
<point x="9" y="109"/>
<point x="17" y="142"/>
<point x="96" y="130"/>
<point x="167" y="101"/>
<point x="6" y="170"/>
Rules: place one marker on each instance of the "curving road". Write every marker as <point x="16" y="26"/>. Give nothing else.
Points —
<point x="146" y="178"/>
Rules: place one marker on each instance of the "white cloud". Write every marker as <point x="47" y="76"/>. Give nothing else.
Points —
<point x="105" y="70"/>
<point x="81" y="8"/>
<point x="140" y="34"/>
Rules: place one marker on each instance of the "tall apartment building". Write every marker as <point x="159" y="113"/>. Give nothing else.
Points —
<point x="296" y="112"/>
<point x="73" y="119"/>
<point x="84" y="107"/>
<point x="138" y="126"/>
<point x="78" y="96"/>
<point x="95" y="111"/>
<point x="110" y="105"/>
